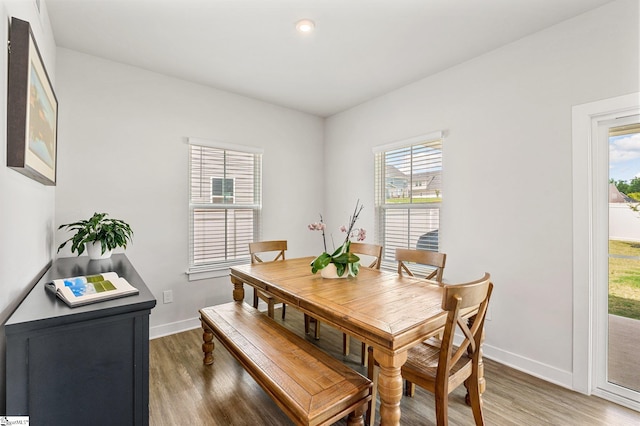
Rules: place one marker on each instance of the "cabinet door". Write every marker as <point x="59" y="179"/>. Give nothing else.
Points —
<point x="85" y="373"/>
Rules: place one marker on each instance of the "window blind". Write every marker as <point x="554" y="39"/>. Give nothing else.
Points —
<point x="224" y="205"/>
<point x="408" y="195"/>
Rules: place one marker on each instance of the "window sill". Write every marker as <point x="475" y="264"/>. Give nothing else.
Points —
<point x="214" y="270"/>
<point x="208" y="274"/>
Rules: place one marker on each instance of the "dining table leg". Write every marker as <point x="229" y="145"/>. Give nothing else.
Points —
<point x="390" y="385"/>
<point x="238" y="289"/>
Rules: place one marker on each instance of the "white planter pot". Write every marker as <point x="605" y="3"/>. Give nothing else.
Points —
<point x="94" y="250"/>
<point x="330" y="271"/>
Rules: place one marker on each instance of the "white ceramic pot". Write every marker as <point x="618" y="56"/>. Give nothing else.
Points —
<point x="94" y="250"/>
<point x="330" y="271"/>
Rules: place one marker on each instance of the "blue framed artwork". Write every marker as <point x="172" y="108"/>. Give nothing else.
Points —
<point x="32" y="109"/>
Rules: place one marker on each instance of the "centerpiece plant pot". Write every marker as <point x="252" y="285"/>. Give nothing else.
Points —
<point x="99" y="235"/>
<point x="330" y="271"/>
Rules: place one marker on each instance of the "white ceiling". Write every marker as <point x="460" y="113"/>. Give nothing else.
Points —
<point x="359" y="50"/>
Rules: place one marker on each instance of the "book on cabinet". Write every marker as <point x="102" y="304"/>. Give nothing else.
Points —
<point x="85" y="289"/>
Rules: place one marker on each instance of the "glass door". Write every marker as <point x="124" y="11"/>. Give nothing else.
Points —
<point x="618" y="298"/>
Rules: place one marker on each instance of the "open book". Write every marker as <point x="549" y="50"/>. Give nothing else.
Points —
<point x="82" y="290"/>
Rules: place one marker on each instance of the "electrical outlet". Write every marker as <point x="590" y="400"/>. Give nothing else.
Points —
<point x="167" y="296"/>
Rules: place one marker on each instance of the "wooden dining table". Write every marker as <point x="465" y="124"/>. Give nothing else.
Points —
<point x="389" y="312"/>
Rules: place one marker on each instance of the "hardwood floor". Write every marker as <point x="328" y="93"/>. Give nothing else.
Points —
<point x="184" y="391"/>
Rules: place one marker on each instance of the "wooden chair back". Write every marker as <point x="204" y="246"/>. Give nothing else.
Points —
<point x="260" y="247"/>
<point x="433" y="259"/>
<point x="458" y="365"/>
<point x="373" y="250"/>
<point x="256" y="250"/>
<point x="457" y="301"/>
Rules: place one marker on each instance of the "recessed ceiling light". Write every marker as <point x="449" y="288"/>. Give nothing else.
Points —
<point x="305" y="25"/>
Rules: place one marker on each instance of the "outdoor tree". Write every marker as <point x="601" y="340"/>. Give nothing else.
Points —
<point x="634" y="185"/>
<point x="627" y="188"/>
<point x="621" y="185"/>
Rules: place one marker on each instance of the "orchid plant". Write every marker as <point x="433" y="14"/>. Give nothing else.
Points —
<point x="344" y="261"/>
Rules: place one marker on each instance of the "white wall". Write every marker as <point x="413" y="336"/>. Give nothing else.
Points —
<point x="26" y="206"/>
<point x="507" y="169"/>
<point x="123" y="150"/>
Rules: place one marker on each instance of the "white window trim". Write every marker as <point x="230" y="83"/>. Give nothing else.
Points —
<point x="225" y="145"/>
<point x="195" y="273"/>
<point x="424" y="138"/>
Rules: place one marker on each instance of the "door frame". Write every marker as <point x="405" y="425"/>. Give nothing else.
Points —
<point x="589" y="218"/>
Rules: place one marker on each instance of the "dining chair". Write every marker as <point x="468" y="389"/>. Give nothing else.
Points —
<point x="275" y="250"/>
<point x="431" y="259"/>
<point x="373" y="251"/>
<point x="436" y="364"/>
<point x="418" y="259"/>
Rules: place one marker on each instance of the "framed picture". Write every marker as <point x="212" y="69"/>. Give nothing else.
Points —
<point x="32" y="109"/>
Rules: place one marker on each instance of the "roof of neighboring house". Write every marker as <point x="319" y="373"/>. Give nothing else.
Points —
<point x="394" y="172"/>
<point x="433" y="179"/>
<point x="616" y="196"/>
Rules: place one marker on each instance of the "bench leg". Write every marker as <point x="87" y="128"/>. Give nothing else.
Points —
<point x="355" y="417"/>
<point x="207" y="345"/>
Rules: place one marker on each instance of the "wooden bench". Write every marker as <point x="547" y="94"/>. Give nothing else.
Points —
<point x="310" y="386"/>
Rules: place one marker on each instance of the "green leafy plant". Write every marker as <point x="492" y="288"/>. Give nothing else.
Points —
<point x="111" y="233"/>
<point x="344" y="261"/>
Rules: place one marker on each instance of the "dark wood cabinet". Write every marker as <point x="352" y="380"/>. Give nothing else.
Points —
<point x="83" y="365"/>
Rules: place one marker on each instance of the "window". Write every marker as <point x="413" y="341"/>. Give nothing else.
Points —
<point x="408" y="194"/>
<point x="222" y="189"/>
<point x="224" y="203"/>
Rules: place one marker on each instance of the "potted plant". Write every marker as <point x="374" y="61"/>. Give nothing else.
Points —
<point x="99" y="235"/>
<point x="341" y="263"/>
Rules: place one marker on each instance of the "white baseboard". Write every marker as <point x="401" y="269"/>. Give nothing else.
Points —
<point x="184" y="325"/>
<point x="537" y="369"/>
<point x="173" y="328"/>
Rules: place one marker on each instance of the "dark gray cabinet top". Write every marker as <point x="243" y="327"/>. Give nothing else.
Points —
<point x="42" y="308"/>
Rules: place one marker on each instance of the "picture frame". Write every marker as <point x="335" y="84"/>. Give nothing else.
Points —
<point x="32" y="108"/>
